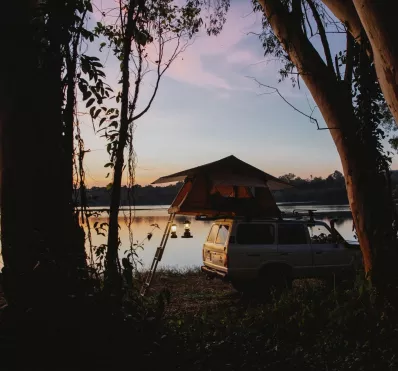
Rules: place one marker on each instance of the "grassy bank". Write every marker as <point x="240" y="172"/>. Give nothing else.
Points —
<point x="208" y="326"/>
<point x="190" y="323"/>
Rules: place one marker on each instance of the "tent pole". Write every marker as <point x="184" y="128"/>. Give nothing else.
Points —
<point x="158" y="256"/>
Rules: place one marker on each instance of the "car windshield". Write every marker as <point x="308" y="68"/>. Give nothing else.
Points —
<point x="319" y="234"/>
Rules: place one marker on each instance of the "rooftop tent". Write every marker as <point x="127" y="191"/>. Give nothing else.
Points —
<point x="227" y="187"/>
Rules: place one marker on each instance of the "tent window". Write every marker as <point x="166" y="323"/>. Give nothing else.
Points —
<point x="224" y="191"/>
<point x="256" y="234"/>
<point x="222" y="234"/>
<point x="213" y="233"/>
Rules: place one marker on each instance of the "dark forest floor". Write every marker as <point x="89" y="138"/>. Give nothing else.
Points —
<point x="206" y="325"/>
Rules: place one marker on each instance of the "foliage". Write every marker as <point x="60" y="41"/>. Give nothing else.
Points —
<point x="380" y="123"/>
<point x="311" y="327"/>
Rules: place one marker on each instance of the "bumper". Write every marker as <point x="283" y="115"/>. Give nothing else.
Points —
<point x="213" y="273"/>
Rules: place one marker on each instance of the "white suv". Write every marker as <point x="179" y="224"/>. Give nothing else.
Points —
<point x="274" y="252"/>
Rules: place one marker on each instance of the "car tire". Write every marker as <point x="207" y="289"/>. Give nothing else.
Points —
<point x="276" y="278"/>
<point x="240" y="286"/>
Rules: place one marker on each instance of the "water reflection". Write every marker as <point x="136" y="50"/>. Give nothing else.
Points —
<point x="181" y="252"/>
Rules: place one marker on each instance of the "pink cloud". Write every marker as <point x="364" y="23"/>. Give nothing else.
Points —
<point x="189" y="68"/>
<point x="243" y="56"/>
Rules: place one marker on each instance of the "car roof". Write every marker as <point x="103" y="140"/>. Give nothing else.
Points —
<point x="264" y="220"/>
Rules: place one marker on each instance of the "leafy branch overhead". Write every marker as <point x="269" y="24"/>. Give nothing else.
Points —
<point x="145" y="37"/>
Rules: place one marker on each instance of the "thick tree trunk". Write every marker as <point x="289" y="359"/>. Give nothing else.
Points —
<point x="344" y="10"/>
<point x="371" y="209"/>
<point x="36" y="214"/>
<point x="379" y="21"/>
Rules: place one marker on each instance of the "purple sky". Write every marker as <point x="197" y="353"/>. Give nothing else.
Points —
<point x="207" y="108"/>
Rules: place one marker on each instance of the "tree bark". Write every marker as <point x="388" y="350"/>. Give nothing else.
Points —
<point x="113" y="233"/>
<point x="344" y="10"/>
<point x="36" y="214"/>
<point x="365" y="188"/>
<point x="379" y="21"/>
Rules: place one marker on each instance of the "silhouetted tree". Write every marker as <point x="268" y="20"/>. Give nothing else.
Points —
<point x="348" y="113"/>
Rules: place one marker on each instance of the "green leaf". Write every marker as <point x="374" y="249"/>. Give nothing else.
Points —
<point x="90" y="102"/>
<point x="109" y="164"/>
<point x="102" y="121"/>
<point x="109" y="186"/>
<point x="87" y="94"/>
<point x="89" y="6"/>
<point x="96" y="113"/>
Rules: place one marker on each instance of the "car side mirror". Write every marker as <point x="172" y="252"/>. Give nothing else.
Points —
<point x="334" y="234"/>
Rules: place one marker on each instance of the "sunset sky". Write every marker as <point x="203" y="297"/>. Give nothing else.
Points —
<point x="207" y="108"/>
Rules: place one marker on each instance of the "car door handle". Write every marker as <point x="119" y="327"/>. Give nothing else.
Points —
<point x="318" y="252"/>
<point x="253" y="254"/>
<point x="284" y="253"/>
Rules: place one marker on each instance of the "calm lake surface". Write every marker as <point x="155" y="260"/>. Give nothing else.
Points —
<point x="183" y="253"/>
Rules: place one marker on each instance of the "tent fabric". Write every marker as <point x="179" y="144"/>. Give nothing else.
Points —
<point x="199" y="197"/>
<point x="228" y="187"/>
<point x="230" y="171"/>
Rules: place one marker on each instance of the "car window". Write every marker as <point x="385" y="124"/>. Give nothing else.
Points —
<point x="255" y="234"/>
<point x="222" y="234"/>
<point x="213" y="233"/>
<point x="291" y="234"/>
<point x="319" y="234"/>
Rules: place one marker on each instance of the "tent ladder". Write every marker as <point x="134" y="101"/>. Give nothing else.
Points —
<point x="158" y="256"/>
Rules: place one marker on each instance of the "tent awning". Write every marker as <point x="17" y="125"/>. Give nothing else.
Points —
<point x="229" y="171"/>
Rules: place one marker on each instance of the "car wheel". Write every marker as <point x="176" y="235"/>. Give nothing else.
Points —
<point x="276" y="279"/>
<point x="240" y="286"/>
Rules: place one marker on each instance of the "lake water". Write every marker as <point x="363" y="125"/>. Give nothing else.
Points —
<point x="184" y="253"/>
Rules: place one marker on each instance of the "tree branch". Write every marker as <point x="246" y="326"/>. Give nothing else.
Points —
<point x="345" y="12"/>
<point x="275" y="90"/>
<point x="349" y="60"/>
<point x="160" y="73"/>
<point x="322" y="34"/>
<point x="308" y="21"/>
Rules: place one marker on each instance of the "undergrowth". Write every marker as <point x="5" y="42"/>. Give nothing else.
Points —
<point x="190" y="323"/>
<point x="313" y="327"/>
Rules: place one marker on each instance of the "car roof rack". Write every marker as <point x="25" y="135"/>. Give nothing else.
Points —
<point x="310" y="213"/>
<point x="297" y="214"/>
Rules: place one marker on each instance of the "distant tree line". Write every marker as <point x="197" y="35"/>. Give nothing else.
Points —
<point x="329" y="190"/>
<point x="141" y="195"/>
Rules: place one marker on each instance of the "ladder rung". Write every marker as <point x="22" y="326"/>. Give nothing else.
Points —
<point x="158" y="256"/>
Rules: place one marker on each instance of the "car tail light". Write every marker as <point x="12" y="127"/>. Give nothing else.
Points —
<point x="226" y="261"/>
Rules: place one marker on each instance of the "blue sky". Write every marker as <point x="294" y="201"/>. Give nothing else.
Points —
<point x="207" y="108"/>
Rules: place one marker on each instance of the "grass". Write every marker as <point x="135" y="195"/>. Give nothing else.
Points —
<point x="207" y="325"/>
<point x="191" y="323"/>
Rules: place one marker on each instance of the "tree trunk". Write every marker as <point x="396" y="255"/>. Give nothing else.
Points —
<point x="113" y="234"/>
<point x="36" y="213"/>
<point x="344" y="10"/>
<point x="376" y="18"/>
<point x="379" y="21"/>
<point x="366" y="189"/>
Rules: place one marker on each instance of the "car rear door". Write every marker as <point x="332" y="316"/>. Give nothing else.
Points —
<point x="294" y="248"/>
<point x="253" y="245"/>
<point x="214" y="250"/>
